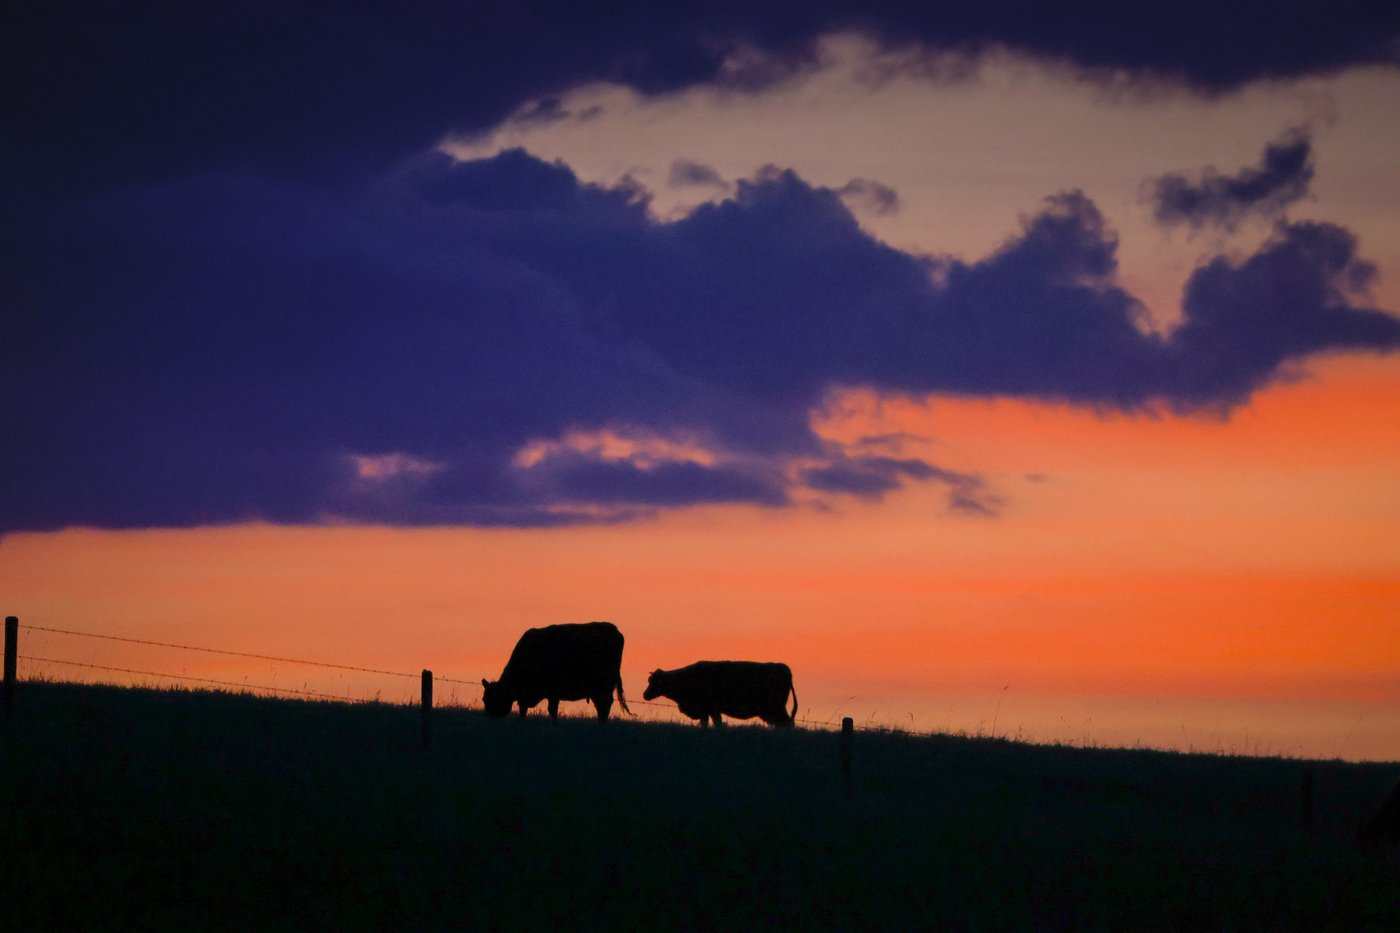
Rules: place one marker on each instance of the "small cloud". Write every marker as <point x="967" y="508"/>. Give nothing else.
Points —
<point x="641" y="448"/>
<point x="866" y="477"/>
<point x="890" y="442"/>
<point x="546" y="110"/>
<point x="631" y="467"/>
<point x="873" y="477"/>
<point x="969" y="495"/>
<point x="381" y="467"/>
<point x="685" y="173"/>
<point x="747" y="67"/>
<point x="1282" y="177"/>
<point x="870" y="195"/>
<point x="591" y="480"/>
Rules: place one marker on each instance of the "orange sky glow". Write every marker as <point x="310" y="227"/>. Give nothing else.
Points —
<point x="1215" y="583"/>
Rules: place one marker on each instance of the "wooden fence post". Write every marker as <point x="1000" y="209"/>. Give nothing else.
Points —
<point x="847" y="728"/>
<point x="427" y="709"/>
<point x="11" y="659"/>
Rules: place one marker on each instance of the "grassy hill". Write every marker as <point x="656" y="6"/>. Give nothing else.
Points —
<point x="148" y="809"/>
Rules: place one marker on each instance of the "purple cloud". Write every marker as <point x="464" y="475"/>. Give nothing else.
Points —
<point x="871" y="195"/>
<point x="229" y="346"/>
<point x="1283" y="176"/>
<point x="685" y="173"/>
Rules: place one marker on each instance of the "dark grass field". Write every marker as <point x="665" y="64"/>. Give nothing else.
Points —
<point x="145" y="809"/>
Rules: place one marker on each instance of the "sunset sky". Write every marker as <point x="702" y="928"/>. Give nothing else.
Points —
<point x="1011" y="368"/>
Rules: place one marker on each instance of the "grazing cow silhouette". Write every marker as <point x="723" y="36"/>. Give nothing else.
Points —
<point x="708" y="690"/>
<point x="575" y="661"/>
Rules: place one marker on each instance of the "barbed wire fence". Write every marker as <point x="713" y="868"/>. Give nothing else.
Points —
<point x="279" y="659"/>
<point x="426" y="678"/>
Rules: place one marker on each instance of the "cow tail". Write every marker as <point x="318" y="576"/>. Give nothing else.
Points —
<point x="621" y="697"/>
<point x="793" y="691"/>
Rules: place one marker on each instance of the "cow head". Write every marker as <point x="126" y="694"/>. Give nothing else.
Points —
<point x="494" y="698"/>
<point x="655" y="685"/>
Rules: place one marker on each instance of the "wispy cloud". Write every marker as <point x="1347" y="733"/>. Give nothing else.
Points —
<point x="685" y="173"/>
<point x="1282" y="177"/>
<point x="862" y="193"/>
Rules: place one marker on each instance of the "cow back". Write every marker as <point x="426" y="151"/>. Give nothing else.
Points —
<point x="739" y="689"/>
<point x="570" y="661"/>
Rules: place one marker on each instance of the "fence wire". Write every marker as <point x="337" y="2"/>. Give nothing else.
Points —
<point x="202" y="680"/>
<point x="275" y="658"/>
<point x="242" y="654"/>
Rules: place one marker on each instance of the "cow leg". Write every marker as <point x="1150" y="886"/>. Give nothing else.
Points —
<point x="553" y="710"/>
<point x="603" y="704"/>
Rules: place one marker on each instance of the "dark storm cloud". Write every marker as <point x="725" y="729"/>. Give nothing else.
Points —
<point x="1283" y="177"/>
<point x="129" y="92"/>
<point x="234" y="288"/>
<point x="230" y="346"/>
